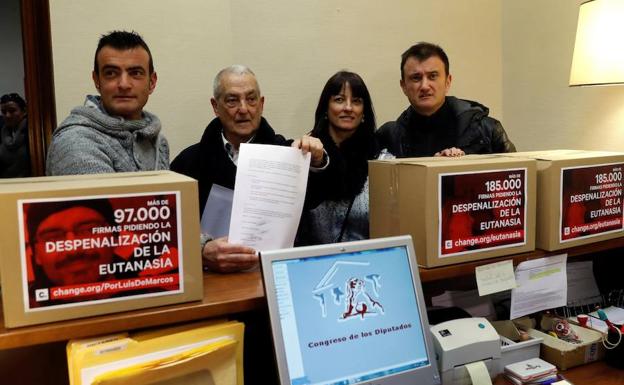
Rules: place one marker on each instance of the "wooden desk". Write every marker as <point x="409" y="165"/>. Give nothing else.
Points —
<point x="223" y="294"/>
<point x="227" y="294"/>
<point x="596" y="373"/>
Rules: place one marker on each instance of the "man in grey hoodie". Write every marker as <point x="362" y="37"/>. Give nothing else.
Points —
<point x="112" y="132"/>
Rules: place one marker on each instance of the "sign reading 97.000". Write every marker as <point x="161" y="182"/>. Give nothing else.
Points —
<point x="77" y="250"/>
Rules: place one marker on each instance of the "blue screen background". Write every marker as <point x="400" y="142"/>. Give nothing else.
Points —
<point x="365" y="354"/>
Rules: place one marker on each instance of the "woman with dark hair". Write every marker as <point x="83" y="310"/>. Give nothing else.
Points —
<point x="345" y="122"/>
<point x="14" y="148"/>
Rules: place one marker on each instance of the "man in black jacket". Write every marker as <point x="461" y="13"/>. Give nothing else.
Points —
<point x="237" y="103"/>
<point x="435" y="124"/>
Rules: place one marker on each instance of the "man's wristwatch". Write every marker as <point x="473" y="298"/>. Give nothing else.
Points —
<point x="203" y="239"/>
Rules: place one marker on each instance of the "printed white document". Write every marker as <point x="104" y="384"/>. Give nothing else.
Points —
<point x="542" y="284"/>
<point x="268" y="196"/>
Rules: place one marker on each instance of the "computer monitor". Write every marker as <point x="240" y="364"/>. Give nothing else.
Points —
<point x="349" y="313"/>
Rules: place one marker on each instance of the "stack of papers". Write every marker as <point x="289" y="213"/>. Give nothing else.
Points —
<point x="531" y="371"/>
<point x="614" y="314"/>
<point x="201" y="353"/>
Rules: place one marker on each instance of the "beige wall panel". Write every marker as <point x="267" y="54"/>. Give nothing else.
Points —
<point x="541" y="110"/>
<point x="294" y="46"/>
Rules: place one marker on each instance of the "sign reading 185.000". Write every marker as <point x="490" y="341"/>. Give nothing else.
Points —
<point x="591" y="201"/>
<point x="481" y="210"/>
<point x="506" y="184"/>
<point x="83" y="250"/>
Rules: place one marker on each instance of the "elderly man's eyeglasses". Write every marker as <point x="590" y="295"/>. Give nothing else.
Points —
<point x="81" y="230"/>
<point x="232" y="101"/>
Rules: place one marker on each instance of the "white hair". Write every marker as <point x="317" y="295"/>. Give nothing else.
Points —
<point x="235" y="69"/>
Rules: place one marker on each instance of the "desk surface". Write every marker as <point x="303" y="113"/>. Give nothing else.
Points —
<point x="223" y="294"/>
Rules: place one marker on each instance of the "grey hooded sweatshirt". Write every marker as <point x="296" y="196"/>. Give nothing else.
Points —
<point x="90" y="141"/>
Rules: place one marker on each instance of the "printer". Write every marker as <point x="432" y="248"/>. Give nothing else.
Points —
<point x="462" y="341"/>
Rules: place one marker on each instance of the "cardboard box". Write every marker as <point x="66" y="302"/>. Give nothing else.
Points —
<point x="579" y="197"/>
<point x="456" y="209"/>
<point x="566" y="355"/>
<point x="78" y="246"/>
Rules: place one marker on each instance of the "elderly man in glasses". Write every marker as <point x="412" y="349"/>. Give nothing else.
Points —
<point x="238" y="104"/>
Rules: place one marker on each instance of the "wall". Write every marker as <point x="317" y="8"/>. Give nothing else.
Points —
<point x="294" y="46"/>
<point x="12" y="63"/>
<point x="541" y="111"/>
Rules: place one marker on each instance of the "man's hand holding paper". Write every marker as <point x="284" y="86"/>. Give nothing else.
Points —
<point x="223" y="257"/>
<point x="268" y="200"/>
<point x="312" y="145"/>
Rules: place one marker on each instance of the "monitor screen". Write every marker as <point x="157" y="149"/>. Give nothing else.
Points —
<point x="349" y="313"/>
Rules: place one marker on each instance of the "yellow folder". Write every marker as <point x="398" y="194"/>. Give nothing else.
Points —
<point x="204" y="354"/>
<point x="209" y="364"/>
<point x="73" y="346"/>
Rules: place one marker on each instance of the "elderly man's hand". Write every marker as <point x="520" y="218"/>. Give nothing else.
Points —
<point x="312" y="145"/>
<point x="223" y="257"/>
<point x="453" y="151"/>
